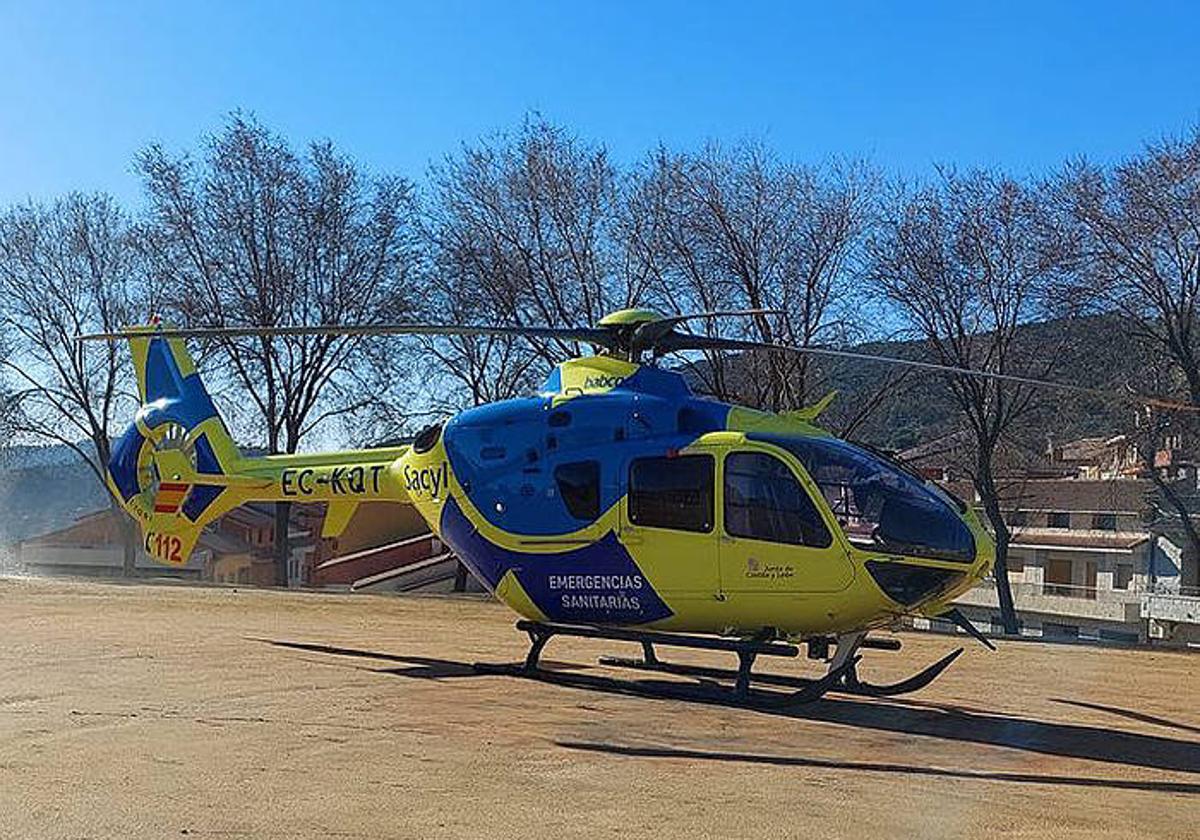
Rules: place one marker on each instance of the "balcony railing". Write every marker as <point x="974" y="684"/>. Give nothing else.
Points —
<point x="1163" y="601"/>
<point x="1062" y="599"/>
<point x="1133" y="592"/>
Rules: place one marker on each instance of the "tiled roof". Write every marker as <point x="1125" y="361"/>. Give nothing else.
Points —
<point x="1056" y="538"/>
<point x="1084" y="449"/>
<point x="1079" y="495"/>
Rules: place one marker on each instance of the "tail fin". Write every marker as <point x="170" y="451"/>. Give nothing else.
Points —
<point x="176" y="468"/>
<point x="177" y="440"/>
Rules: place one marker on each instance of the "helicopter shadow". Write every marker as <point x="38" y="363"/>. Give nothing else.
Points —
<point x="953" y="723"/>
<point x="651" y="752"/>
<point x="1141" y="717"/>
<point x="414" y="667"/>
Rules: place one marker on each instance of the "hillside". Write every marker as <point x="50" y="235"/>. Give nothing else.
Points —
<point x="918" y="406"/>
<point x="45" y="496"/>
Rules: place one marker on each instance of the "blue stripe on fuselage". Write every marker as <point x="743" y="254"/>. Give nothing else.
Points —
<point x="597" y="583"/>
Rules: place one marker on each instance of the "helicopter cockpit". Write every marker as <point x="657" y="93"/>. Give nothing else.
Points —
<point x="879" y="505"/>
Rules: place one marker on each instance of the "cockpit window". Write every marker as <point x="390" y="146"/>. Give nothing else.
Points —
<point x="764" y="501"/>
<point x="881" y="506"/>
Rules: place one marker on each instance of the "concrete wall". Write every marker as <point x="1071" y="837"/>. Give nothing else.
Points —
<point x="36" y="556"/>
<point x="1113" y="606"/>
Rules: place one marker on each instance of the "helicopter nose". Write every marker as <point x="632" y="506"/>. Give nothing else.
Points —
<point x="909" y="583"/>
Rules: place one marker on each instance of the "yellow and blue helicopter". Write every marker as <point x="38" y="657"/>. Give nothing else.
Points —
<point x="614" y="503"/>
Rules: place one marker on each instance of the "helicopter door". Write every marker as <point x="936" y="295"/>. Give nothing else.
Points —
<point x="669" y="523"/>
<point x="774" y="536"/>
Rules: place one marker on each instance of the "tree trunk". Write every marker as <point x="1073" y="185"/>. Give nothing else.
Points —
<point x="129" y="541"/>
<point x="1008" y="611"/>
<point x="460" y="578"/>
<point x="283" y="543"/>
<point x="1190" y="553"/>
<point x="990" y="500"/>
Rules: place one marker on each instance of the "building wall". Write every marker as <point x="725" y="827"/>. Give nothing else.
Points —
<point x="93" y="545"/>
<point x="233" y="568"/>
<point x="1028" y="566"/>
<point x="1078" y="520"/>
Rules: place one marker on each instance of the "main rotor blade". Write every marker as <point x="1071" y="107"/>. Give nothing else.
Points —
<point x="718" y="313"/>
<point x="677" y="341"/>
<point x="603" y="338"/>
<point x="648" y="334"/>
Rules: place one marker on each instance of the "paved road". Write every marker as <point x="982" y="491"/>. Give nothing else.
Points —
<point x="164" y="711"/>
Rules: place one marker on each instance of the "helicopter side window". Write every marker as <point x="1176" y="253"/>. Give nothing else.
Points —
<point x="879" y="505"/>
<point x="764" y="501"/>
<point x="579" y="486"/>
<point x="672" y="492"/>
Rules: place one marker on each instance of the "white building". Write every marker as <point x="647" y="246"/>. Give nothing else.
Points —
<point x="1082" y="562"/>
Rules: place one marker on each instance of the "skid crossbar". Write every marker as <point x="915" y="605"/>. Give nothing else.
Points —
<point x="747" y="651"/>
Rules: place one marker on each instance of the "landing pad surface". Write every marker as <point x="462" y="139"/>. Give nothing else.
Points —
<point x="147" y="711"/>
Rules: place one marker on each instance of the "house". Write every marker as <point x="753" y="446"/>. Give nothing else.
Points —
<point x="93" y="546"/>
<point x="254" y="526"/>
<point x="1096" y="458"/>
<point x="388" y="547"/>
<point x="1097" y="551"/>
<point x="1082" y="558"/>
<point x="238" y="548"/>
<point x="1169" y="457"/>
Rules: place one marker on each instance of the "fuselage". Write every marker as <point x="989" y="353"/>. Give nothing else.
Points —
<point x="617" y="496"/>
<point x="614" y="496"/>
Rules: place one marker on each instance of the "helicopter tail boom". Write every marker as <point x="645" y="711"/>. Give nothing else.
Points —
<point x="176" y="468"/>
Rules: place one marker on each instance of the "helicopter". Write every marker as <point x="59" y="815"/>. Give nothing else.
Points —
<point x="614" y="503"/>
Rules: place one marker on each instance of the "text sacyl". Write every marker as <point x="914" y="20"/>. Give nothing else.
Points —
<point x="430" y="480"/>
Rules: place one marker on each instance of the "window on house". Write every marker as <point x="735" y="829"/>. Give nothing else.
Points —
<point x="1057" y="577"/>
<point x="672" y="492"/>
<point x="1104" y="521"/>
<point x="579" y="486"/>
<point x="1017" y="518"/>
<point x="1058" y="519"/>
<point x="1123" y="576"/>
<point x="764" y="501"/>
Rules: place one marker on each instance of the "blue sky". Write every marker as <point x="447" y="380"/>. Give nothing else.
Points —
<point x="84" y="85"/>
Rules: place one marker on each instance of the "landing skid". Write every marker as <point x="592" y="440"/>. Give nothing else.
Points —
<point x="707" y="693"/>
<point x="841" y="675"/>
<point x="848" y="682"/>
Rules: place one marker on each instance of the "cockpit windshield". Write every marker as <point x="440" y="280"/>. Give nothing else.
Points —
<point x="881" y="506"/>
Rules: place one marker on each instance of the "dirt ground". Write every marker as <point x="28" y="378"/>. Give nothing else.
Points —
<point x="148" y="711"/>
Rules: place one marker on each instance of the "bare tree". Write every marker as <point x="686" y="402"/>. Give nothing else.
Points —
<point x="965" y="263"/>
<point x="487" y="368"/>
<point x="254" y="234"/>
<point x="518" y="229"/>
<point x="66" y="269"/>
<point x="1135" y="232"/>
<point x="739" y="229"/>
